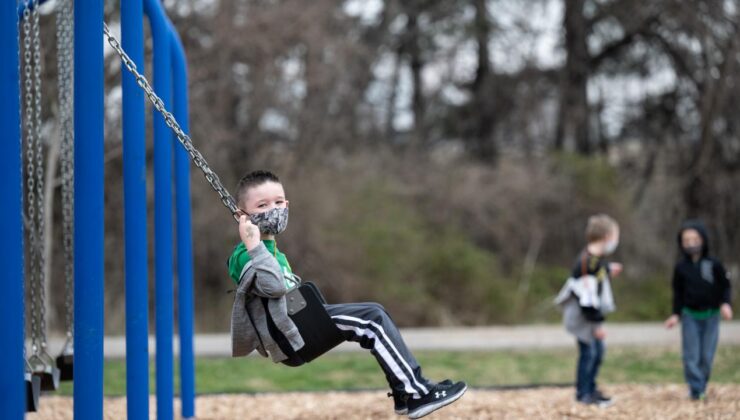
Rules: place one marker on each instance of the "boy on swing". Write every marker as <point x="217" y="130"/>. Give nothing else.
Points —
<point x="262" y="271"/>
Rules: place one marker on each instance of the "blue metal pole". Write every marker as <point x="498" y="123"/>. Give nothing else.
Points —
<point x="88" y="196"/>
<point x="135" y="219"/>
<point x="164" y="290"/>
<point x="12" y="391"/>
<point x="184" y="230"/>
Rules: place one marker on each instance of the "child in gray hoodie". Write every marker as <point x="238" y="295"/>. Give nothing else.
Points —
<point x="585" y="299"/>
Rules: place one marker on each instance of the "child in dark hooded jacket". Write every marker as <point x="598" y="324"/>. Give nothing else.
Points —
<point x="701" y="293"/>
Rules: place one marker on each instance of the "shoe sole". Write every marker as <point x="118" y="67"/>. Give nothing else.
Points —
<point x="402" y="412"/>
<point x="427" y="409"/>
<point x="600" y="404"/>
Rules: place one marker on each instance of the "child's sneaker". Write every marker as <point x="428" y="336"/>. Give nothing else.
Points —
<point x="587" y="399"/>
<point x="399" y="399"/>
<point x="438" y="397"/>
<point x="593" y="399"/>
<point x="701" y="397"/>
<point x="602" y="399"/>
<point x="399" y="403"/>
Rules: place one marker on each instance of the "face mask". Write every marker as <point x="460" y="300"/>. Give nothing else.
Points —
<point x="610" y="247"/>
<point x="693" y="250"/>
<point x="271" y="222"/>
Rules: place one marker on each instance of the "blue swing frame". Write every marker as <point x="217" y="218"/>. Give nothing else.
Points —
<point x="170" y="77"/>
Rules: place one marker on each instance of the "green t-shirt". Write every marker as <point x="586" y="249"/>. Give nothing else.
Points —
<point x="240" y="257"/>
<point x="701" y="315"/>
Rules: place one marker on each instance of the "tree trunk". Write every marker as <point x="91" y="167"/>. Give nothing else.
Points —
<point x="712" y="101"/>
<point x="482" y="35"/>
<point x="573" y="115"/>
<point x="416" y="65"/>
<point x="484" y="146"/>
<point x="391" y="109"/>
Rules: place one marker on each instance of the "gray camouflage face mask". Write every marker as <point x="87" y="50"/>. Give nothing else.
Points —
<point x="271" y="222"/>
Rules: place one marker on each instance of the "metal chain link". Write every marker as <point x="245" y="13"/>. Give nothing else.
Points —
<point x="40" y="225"/>
<point x="29" y="117"/>
<point x="226" y="199"/>
<point x="65" y="63"/>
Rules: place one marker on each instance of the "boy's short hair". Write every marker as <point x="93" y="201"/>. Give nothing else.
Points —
<point x="253" y="179"/>
<point x="599" y="226"/>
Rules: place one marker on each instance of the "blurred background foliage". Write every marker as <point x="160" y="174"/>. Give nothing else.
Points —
<point x="441" y="157"/>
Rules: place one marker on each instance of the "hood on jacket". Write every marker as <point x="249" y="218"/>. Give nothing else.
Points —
<point x="697" y="225"/>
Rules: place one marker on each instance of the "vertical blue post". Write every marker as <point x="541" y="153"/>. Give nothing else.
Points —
<point x="88" y="196"/>
<point x="164" y="290"/>
<point x="184" y="230"/>
<point x="12" y="391"/>
<point x="135" y="219"/>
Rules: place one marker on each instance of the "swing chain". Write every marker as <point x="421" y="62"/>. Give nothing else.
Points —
<point x="40" y="235"/>
<point x="29" y="80"/>
<point x="65" y="62"/>
<point x="226" y="199"/>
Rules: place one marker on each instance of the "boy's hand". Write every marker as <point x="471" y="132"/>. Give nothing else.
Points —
<point x="600" y="333"/>
<point x="726" y="311"/>
<point x="671" y="322"/>
<point x="615" y="269"/>
<point x="249" y="233"/>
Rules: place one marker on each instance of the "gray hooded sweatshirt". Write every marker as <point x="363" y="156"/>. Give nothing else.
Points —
<point x="261" y="278"/>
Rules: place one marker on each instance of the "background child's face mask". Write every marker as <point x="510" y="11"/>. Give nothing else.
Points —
<point x="271" y="222"/>
<point x="693" y="249"/>
<point x="611" y="246"/>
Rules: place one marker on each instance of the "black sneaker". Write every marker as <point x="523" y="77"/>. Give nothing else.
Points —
<point x="438" y="397"/>
<point x="400" y="398"/>
<point x="701" y="397"/>
<point x="587" y="399"/>
<point x="592" y="399"/>
<point x="601" y="398"/>
<point x="399" y="402"/>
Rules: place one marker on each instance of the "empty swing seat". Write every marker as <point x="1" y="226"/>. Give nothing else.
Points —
<point x="43" y="368"/>
<point x="65" y="364"/>
<point x="33" y="389"/>
<point x="49" y="378"/>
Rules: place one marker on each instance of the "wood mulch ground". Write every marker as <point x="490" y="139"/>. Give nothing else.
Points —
<point x="632" y="401"/>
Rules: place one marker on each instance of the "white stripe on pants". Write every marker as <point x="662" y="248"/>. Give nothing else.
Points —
<point x="371" y="326"/>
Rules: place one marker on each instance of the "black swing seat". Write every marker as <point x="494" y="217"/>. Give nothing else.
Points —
<point x="65" y="364"/>
<point x="33" y="389"/>
<point x="43" y="368"/>
<point x="306" y="308"/>
<point x="49" y="378"/>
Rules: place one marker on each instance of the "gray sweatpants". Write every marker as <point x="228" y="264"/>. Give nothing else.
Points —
<point x="370" y="325"/>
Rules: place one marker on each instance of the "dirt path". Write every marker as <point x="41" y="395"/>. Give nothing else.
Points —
<point x="464" y="338"/>
<point x="631" y="402"/>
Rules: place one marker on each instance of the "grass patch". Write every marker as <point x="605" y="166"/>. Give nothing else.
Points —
<point x="479" y="369"/>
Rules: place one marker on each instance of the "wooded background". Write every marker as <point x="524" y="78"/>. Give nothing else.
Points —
<point x="442" y="156"/>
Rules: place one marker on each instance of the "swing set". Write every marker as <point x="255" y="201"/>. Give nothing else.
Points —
<point x="80" y="69"/>
<point x="23" y="216"/>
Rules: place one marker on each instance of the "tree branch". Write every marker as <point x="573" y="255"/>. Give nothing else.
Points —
<point x="679" y="62"/>
<point x="615" y="47"/>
